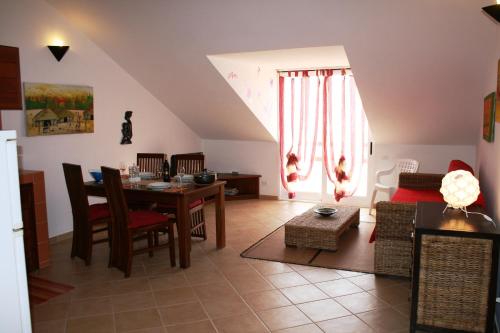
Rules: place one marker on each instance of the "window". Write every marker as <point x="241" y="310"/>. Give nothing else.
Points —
<point x="322" y="119"/>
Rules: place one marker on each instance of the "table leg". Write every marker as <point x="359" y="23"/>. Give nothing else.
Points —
<point x="220" y="218"/>
<point x="183" y="231"/>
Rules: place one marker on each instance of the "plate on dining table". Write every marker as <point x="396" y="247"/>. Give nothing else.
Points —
<point x="159" y="185"/>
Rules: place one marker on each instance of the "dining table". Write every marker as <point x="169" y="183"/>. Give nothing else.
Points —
<point x="179" y="195"/>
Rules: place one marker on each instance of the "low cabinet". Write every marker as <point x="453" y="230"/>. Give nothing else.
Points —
<point x="248" y="186"/>
<point x="455" y="267"/>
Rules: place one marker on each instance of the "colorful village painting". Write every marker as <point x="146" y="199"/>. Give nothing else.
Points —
<point x="58" y="109"/>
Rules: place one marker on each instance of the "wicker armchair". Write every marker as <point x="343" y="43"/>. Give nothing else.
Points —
<point x="395" y="226"/>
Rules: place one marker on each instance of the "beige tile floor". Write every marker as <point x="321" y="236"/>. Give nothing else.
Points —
<point x="221" y="292"/>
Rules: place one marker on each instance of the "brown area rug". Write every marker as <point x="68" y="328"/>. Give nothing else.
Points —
<point x="354" y="252"/>
<point x="41" y="290"/>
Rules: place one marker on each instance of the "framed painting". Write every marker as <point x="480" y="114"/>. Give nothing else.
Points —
<point x="53" y="109"/>
<point x="489" y="118"/>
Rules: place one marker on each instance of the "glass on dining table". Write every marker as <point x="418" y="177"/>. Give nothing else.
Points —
<point x="181" y="172"/>
<point x="133" y="172"/>
<point x="122" y="166"/>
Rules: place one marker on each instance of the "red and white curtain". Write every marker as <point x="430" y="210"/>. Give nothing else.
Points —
<point x="321" y="110"/>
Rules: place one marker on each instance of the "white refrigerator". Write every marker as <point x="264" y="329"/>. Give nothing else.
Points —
<point x="14" y="299"/>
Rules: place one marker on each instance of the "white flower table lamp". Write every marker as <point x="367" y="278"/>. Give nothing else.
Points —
<point x="460" y="189"/>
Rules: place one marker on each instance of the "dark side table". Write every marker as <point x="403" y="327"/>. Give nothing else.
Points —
<point x="455" y="264"/>
<point x="247" y="185"/>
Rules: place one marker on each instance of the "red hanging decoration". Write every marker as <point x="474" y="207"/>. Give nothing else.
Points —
<point x="292" y="168"/>
<point x="341" y="177"/>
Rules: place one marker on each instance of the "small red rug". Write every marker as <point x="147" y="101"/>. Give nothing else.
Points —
<point x="41" y="290"/>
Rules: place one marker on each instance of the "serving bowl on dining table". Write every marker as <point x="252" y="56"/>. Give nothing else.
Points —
<point x="96" y="174"/>
<point x="204" y="178"/>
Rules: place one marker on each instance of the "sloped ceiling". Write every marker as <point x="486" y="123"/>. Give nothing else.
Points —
<point x="418" y="64"/>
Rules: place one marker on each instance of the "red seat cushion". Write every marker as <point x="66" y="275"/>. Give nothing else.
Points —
<point x="459" y="165"/>
<point x="412" y="196"/>
<point x="145" y="218"/>
<point x="98" y="212"/>
<point x="195" y="203"/>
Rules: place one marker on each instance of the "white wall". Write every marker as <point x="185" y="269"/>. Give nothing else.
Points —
<point x="488" y="154"/>
<point x="30" y="25"/>
<point x="256" y="157"/>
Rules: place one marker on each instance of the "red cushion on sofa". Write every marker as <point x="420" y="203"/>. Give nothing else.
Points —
<point x="144" y="218"/>
<point x="459" y="165"/>
<point x="98" y="212"/>
<point x="480" y="201"/>
<point x="412" y="196"/>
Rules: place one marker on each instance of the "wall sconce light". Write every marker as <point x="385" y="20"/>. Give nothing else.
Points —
<point x="58" y="49"/>
<point x="493" y="11"/>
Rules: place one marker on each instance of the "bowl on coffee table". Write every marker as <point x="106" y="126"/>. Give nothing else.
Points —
<point x="325" y="211"/>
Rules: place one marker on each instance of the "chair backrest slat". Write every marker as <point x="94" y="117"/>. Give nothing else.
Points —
<point x="192" y="163"/>
<point x="151" y="162"/>
<point x="117" y="203"/>
<point x="77" y="194"/>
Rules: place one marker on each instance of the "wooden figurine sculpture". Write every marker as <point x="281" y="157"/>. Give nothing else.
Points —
<point x="127" y="129"/>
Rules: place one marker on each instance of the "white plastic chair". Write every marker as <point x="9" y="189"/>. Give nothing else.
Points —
<point x="402" y="165"/>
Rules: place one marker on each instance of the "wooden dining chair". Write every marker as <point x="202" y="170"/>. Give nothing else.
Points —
<point x="87" y="219"/>
<point x="151" y="162"/>
<point x="128" y="226"/>
<point x="192" y="163"/>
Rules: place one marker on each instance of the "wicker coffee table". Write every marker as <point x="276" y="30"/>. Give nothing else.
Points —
<point x="314" y="231"/>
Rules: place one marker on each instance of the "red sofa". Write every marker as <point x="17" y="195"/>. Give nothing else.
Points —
<point x="394" y="220"/>
<point x="413" y="195"/>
